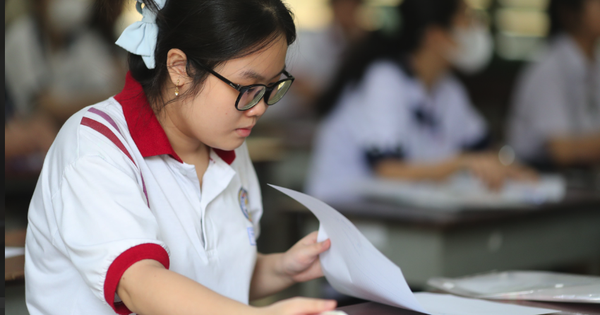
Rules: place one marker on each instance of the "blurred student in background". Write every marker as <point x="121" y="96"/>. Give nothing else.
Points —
<point x="24" y="137"/>
<point x="555" y="119"/>
<point x="315" y="57"/>
<point x="61" y="57"/>
<point x="395" y="111"/>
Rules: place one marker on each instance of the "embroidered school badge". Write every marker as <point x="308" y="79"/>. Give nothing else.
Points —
<point x="243" y="198"/>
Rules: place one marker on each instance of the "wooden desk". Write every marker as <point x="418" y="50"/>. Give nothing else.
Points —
<point x="429" y="243"/>
<point x="14" y="267"/>
<point x="372" y="308"/>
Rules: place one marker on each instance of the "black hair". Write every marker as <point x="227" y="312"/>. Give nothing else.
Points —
<point x="209" y="32"/>
<point x="103" y="19"/>
<point x="563" y="15"/>
<point x="415" y="16"/>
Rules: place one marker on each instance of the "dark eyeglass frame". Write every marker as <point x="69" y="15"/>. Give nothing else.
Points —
<point x="244" y="88"/>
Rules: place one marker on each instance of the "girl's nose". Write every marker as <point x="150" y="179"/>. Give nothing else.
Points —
<point x="258" y="110"/>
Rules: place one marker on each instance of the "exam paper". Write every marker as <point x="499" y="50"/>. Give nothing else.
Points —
<point x="445" y="304"/>
<point x="524" y="285"/>
<point x="353" y="266"/>
<point x="463" y="191"/>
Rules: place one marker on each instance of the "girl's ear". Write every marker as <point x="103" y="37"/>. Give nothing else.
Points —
<point x="176" y="65"/>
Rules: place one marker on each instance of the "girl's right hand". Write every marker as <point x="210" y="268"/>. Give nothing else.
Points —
<point x="299" y="306"/>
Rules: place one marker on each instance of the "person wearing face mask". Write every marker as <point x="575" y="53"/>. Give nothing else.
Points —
<point x="60" y="57"/>
<point x="555" y="118"/>
<point x="395" y="111"/>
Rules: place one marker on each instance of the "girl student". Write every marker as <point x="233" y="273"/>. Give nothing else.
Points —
<point x="148" y="201"/>
<point x="395" y="110"/>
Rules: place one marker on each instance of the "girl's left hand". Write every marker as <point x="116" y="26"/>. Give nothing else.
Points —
<point x="301" y="262"/>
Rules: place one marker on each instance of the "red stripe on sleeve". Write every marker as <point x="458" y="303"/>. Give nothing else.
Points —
<point x="122" y="263"/>
<point x="107" y="133"/>
<point x="112" y="137"/>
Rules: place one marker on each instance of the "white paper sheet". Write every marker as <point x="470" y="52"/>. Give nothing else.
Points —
<point x="13" y="251"/>
<point x="353" y="266"/>
<point x="445" y="304"/>
<point x="463" y="191"/>
<point x="524" y="285"/>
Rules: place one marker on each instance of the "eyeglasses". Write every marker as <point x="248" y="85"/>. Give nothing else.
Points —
<point x="250" y="95"/>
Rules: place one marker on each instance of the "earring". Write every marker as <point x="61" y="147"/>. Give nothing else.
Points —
<point x="177" y="88"/>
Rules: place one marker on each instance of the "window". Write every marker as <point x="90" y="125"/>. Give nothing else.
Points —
<point x="522" y="26"/>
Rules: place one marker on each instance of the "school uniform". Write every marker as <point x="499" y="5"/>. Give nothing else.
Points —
<point x="557" y="96"/>
<point x="390" y="114"/>
<point x="113" y="192"/>
<point x="84" y="68"/>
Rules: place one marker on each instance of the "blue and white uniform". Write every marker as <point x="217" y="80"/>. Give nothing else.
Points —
<point x="390" y="114"/>
<point x="557" y="96"/>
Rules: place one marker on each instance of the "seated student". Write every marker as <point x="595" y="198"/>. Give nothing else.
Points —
<point x="555" y="119"/>
<point x="398" y="112"/>
<point x="25" y="137"/>
<point x="148" y="201"/>
<point x="61" y="57"/>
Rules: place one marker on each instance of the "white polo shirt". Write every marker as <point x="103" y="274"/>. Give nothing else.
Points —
<point x="390" y="114"/>
<point x="113" y="192"/>
<point x="557" y="96"/>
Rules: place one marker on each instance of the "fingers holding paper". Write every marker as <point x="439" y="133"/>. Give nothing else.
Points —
<point x="301" y="261"/>
<point x="275" y="272"/>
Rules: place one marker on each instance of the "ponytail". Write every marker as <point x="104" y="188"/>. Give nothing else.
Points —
<point x="209" y="32"/>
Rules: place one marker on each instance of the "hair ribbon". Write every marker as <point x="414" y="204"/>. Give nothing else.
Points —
<point x="140" y="37"/>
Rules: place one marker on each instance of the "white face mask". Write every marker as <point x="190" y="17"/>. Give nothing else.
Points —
<point x="68" y="15"/>
<point x="474" y="51"/>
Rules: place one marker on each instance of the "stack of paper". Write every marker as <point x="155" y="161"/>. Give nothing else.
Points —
<point x="524" y="285"/>
<point x="463" y="191"/>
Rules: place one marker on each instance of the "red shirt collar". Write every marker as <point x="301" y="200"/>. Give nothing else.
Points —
<point x="146" y="131"/>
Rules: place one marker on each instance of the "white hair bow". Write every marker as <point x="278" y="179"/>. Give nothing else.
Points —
<point x="139" y="38"/>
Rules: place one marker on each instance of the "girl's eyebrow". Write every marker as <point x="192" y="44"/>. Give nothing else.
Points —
<point x="251" y="74"/>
